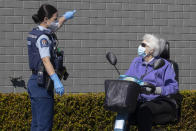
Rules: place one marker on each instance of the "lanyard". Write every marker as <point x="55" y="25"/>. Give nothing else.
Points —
<point x="146" y="73"/>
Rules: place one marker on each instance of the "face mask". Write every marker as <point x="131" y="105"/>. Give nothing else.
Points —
<point x="54" y="26"/>
<point x="141" y="51"/>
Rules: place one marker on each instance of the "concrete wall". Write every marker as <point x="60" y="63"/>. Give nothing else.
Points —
<point x="99" y="26"/>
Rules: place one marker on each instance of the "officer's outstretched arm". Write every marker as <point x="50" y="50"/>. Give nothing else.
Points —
<point x="61" y="21"/>
<point x="66" y="16"/>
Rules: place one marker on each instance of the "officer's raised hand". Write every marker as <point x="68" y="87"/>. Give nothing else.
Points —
<point x="57" y="84"/>
<point x="66" y="16"/>
<point x="69" y="14"/>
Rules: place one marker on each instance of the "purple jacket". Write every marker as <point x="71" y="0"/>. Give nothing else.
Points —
<point x="163" y="77"/>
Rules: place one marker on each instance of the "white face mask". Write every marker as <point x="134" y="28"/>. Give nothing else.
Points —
<point x="141" y="51"/>
<point x="54" y="26"/>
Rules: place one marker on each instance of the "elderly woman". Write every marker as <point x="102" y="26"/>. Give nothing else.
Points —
<point x="163" y="79"/>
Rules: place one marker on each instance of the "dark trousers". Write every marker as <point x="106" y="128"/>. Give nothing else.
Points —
<point x="143" y="115"/>
<point x="42" y="114"/>
<point x="144" y="119"/>
<point x="42" y="102"/>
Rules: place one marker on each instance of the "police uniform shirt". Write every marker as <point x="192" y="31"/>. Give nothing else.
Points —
<point x="43" y="43"/>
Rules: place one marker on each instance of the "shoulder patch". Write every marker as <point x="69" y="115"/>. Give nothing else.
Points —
<point x="44" y="42"/>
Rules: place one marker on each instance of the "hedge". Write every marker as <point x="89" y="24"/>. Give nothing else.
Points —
<point x="83" y="112"/>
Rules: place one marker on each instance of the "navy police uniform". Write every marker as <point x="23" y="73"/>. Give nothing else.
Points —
<point x="41" y="43"/>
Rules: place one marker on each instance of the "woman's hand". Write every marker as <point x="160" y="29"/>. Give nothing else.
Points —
<point x="148" y="88"/>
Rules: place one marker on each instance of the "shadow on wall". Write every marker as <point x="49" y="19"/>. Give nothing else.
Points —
<point x="17" y="82"/>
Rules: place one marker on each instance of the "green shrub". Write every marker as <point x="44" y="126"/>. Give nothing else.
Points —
<point x="81" y="112"/>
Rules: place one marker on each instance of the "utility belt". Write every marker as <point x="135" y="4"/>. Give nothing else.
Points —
<point x="34" y="72"/>
<point x="43" y="79"/>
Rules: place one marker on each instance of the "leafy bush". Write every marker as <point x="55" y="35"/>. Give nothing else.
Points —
<point x="81" y="112"/>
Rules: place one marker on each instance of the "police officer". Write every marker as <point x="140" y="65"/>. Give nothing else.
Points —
<point x="42" y="52"/>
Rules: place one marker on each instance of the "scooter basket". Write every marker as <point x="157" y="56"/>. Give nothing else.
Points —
<point x="121" y="95"/>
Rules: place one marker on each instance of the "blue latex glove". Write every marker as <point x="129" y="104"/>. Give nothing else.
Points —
<point x="57" y="84"/>
<point x="69" y="14"/>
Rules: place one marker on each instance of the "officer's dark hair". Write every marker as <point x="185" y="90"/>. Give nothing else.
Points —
<point x="45" y="10"/>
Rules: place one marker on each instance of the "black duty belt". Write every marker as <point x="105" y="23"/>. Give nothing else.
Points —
<point x="34" y="72"/>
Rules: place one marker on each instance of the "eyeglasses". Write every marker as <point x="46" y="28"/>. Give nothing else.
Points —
<point x="143" y="45"/>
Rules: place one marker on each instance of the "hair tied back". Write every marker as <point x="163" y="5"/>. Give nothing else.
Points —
<point x="35" y="18"/>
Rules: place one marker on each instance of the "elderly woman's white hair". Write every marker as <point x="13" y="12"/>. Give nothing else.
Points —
<point x="154" y="43"/>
